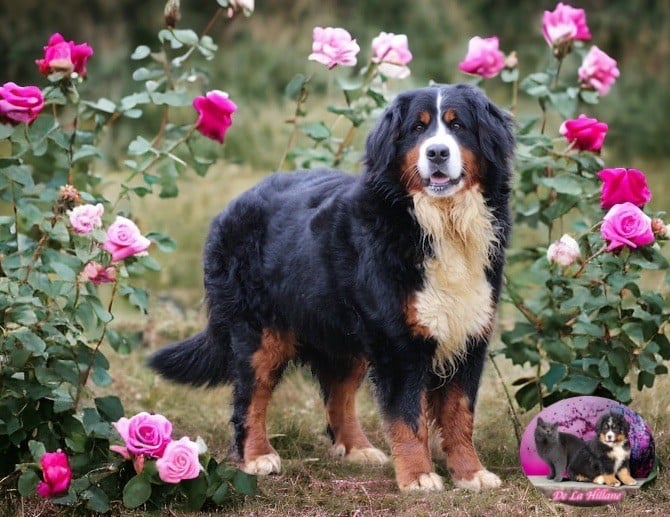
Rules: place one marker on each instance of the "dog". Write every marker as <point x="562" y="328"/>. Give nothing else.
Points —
<point x="396" y="271"/>
<point x="605" y="459"/>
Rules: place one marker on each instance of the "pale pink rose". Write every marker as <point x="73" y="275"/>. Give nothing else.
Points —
<point x="124" y="239"/>
<point x="392" y="53"/>
<point x="64" y="56"/>
<point x="586" y="134"/>
<point x="564" y="251"/>
<point x="56" y="473"/>
<point x="621" y="185"/>
<point x="626" y="225"/>
<point x="484" y="57"/>
<point x="332" y="46"/>
<point x="598" y="71"/>
<point x="99" y="274"/>
<point x="85" y="218"/>
<point x="20" y="104"/>
<point x="179" y="461"/>
<point x="564" y="24"/>
<point x="145" y="434"/>
<point x="120" y="449"/>
<point x="215" y="112"/>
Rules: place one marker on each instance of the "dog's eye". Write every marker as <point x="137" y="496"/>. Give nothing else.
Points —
<point x="456" y="126"/>
<point x="419" y="127"/>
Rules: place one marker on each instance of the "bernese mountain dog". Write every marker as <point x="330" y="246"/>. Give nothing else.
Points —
<point x="396" y="272"/>
<point x="605" y="458"/>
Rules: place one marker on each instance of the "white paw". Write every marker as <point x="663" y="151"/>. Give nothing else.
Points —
<point x="425" y="481"/>
<point x="368" y="455"/>
<point x="481" y="480"/>
<point x="264" y="465"/>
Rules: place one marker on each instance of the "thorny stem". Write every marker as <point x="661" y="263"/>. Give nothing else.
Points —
<point x="344" y="144"/>
<point x="302" y="98"/>
<point x="510" y="405"/>
<point x="84" y="380"/>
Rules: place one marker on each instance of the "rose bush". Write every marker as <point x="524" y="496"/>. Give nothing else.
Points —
<point x="65" y="246"/>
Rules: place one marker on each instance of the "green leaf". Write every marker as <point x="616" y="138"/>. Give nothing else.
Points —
<point x="37" y="450"/>
<point x="110" y="407"/>
<point x="29" y="341"/>
<point x="528" y="396"/>
<point x="86" y="151"/>
<point x="103" y="104"/>
<point x="294" y="87"/>
<point x="579" y="384"/>
<point x="164" y="242"/>
<point x="28" y="482"/>
<point x="97" y="499"/>
<point x="221" y="493"/>
<point x="245" y="483"/>
<point x="564" y="184"/>
<point x="139" y="146"/>
<point x="196" y="492"/>
<point x="136" y="492"/>
<point x="6" y="130"/>
<point x="316" y="130"/>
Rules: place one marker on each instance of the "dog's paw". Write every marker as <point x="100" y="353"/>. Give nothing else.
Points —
<point x="264" y="465"/>
<point x="367" y="455"/>
<point x="629" y="482"/>
<point x="426" y="481"/>
<point x="482" y="479"/>
<point x="608" y="480"/>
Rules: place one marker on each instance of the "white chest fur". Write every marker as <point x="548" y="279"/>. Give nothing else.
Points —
<point x="618" y="454"/>
<point x="455" y="301"/>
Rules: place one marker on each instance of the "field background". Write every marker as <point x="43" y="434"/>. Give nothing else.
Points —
<point x="260" y="55"/>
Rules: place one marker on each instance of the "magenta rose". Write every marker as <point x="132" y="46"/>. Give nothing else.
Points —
<point x="85" y="218"/>
<point x="626" y="225"/>
<point x="598" y="71"/>
<point x="564" y="24"/>
<point x="56" y="473"/>
<point x="332" y="46"/>
<point x="621" y="185"/>
<point x="124" y="239"/>
<point x="586" y="134"/>
<point x="215" y="111"/>
<point x="65" y="57"/>
<point x="484" y="58"/>
<point x="179" y="461"/>
<point x="564" y="251"/>
<point x="145" y="434"/>
<point x="99" y="274"/>
<point x="20" y="104"/>
<point x="392" y="53"/>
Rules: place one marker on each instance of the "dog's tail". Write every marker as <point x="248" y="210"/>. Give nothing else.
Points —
<point x="199" y="360"/>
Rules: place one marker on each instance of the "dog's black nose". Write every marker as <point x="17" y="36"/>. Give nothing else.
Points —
<point x="437" y="153"/>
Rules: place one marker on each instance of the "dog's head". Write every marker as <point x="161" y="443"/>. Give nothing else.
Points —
<point x="440" y="140"/>
<point x="612" y="429"/>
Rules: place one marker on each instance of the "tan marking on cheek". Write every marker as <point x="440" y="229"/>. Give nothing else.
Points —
<point x="277" y="348"/>
<point x="410" y="449"/>
<point x="424" y="117"/>
<point x="449" y="115"/>
<point x="473" y="168"/>
<point x="456" y="422"/>
<point x="409" y="174"/>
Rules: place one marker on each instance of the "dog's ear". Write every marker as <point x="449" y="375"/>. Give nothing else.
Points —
<point x="380" y="146"/>
<point x="496" y="135"/>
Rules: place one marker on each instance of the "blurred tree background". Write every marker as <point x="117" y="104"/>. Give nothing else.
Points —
<point x="262" y="53"/>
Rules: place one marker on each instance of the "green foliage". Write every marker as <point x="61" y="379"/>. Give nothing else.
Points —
<point x="590" y="328"/>
<point x="53" y="322"/>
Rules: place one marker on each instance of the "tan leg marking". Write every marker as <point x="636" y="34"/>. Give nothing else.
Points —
<point x="350" y="442"/>
<point x="455" y="422"/>
<point x="277" y="348"/>
<point x="413" y="466"/>
<point x="625" y="477"/>
<point x="607" y="479"/>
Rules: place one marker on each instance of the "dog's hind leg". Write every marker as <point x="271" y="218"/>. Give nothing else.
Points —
<point x="339" y="392"/>
<point x="256" y="379"/>
<point x="625" y="477"/>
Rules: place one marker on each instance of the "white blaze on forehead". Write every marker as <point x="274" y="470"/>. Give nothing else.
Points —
<point x="442" y="136"/>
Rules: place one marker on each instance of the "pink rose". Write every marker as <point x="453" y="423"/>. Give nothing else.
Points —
<point x="179" y="461"/>
<point x="626" y="225"/>
<point x="564" y="24"/>
<point x="564" y="251"/>
<point x="483" y="58"/>
<point x="333" y="46"/>
<point x="99" y="274"/>
<point x="20" y="104"/>
<point x="598" y="71"/>
<point x="215" y="111"/>
<point x="586" y="134"/>
<point x="621" y="185"/>
<point x="85" y="218"/>
<point x="392" y="53"/>
<point x="124" y="239"/>
<point x="56" y="473"/>
<point x="65" y="57"/>
<point x="145" y="434"/>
